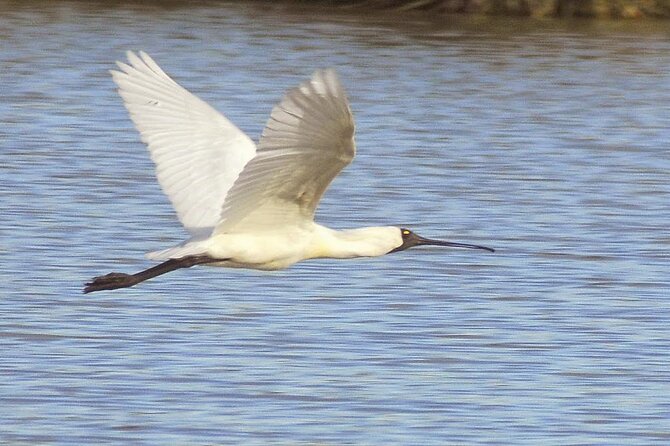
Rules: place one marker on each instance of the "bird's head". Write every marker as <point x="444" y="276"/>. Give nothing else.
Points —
<point x="410" y="239"/>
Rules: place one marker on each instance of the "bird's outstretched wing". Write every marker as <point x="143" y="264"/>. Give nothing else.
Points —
<point x="198" y="153"/>
<point x="307" y="141"/>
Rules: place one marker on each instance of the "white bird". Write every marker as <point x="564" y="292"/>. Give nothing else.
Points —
<point x="248" y="206"/>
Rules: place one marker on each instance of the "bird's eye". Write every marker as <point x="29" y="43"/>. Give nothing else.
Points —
<point x="406" y="232"/>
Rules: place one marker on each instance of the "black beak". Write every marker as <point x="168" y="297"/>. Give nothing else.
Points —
<point x="427" y="241"/>
<point x="411" y="239"/>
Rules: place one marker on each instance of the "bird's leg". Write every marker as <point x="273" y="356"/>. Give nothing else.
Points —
<point x="113" y="281"/>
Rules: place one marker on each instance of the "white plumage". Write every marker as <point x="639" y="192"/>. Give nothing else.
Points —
<point x="246" y="206"/>
<point x="308" y="139"/>
<point x="216" y="179"/>
<point x="198" y="153"/>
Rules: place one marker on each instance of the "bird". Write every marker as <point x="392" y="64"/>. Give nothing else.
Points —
<point x="247" y="205"/>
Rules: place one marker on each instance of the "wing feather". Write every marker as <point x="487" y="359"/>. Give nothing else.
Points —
<point x="307" y="141"/>
<point x="198" y="153"/>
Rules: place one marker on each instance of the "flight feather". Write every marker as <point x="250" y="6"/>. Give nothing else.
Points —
<point x="197" y="151"/>
<point x="307" y="141"/>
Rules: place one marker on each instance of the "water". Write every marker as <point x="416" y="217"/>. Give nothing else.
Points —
<point x="547" y="141"/>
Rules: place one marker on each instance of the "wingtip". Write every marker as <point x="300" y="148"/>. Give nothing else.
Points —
<point x="325" y="82"/>
<point x="134" y="59"/>
<point x="329" y="73"/>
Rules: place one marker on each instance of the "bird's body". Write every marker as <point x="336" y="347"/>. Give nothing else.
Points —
<point x="282" y="247"/>
<point x="247" y="206"/>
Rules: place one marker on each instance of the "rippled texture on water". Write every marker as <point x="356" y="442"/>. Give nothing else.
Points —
<point x="549" y="143"/>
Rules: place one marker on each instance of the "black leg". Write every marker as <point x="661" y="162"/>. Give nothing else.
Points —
<point x="113" y="281"/>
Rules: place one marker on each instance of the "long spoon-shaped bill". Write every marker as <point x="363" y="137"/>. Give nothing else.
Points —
<point x="427" y="241"/>
<point x="410" y="239"/>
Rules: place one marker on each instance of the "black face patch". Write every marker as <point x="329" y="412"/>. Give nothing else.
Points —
<point x="409" y="239"/>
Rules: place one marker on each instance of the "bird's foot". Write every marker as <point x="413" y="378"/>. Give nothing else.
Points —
<point x="111" y="281"/>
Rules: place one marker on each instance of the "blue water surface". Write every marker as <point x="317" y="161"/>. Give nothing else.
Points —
<point x="545" y="140"/>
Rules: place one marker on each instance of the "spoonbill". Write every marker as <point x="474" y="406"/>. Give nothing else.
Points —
<point x="248" y="206"/>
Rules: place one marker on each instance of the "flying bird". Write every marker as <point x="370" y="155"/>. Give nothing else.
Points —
<point x="248" y="206"/>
